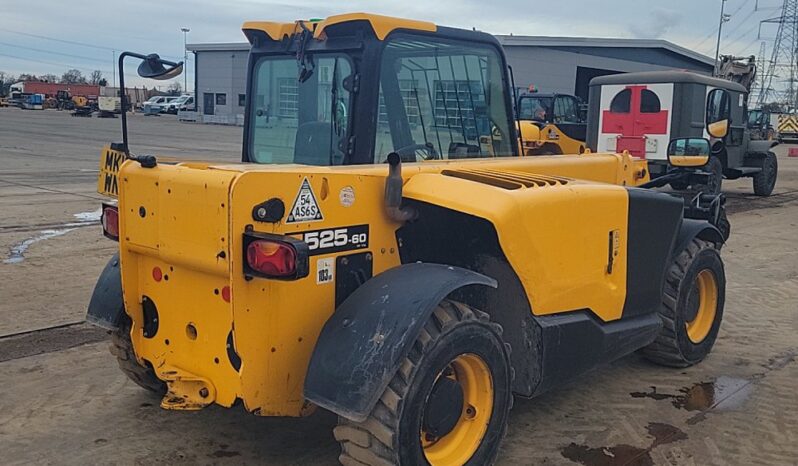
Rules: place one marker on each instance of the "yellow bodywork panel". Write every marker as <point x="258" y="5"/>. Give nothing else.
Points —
<point x="382" y="25"/>
<point x="558" y="242"/>
<point x="275" y="31"/>
<point x="181" y="253"/>
<point x="175" y="219"/>
<point x="535" y="137"/>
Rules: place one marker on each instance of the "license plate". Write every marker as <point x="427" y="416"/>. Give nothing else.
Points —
<point x="108" y="180"/>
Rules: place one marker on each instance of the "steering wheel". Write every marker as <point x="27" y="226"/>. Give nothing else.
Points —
<point x="417" y="151"/>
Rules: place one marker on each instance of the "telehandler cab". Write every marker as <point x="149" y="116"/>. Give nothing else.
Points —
<point x="551" y="124"/>
<point x="383" y="251"/>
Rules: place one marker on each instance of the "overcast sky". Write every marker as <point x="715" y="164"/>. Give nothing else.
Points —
<point x="50" y="36"/>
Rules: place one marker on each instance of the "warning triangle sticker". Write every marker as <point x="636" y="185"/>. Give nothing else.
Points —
<point x="305" y="207"/>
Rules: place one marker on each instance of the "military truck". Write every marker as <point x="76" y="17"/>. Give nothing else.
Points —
<point x="642" y="112"/>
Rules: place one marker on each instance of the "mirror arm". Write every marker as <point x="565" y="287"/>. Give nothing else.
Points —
<point x="123" y="91"/>
<point x="123" y="95"/>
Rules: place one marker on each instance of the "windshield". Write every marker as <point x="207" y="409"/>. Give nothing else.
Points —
<point x="303" y="120"/>
<point x="534" y="108"/>
<point x="754" y="117"/>
<point x="441" y="99"/>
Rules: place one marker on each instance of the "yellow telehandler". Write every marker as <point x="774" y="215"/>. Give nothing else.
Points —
<point x="383" y="251"/>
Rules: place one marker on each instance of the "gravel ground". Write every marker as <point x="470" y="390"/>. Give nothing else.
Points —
<point x="65" y="402"/>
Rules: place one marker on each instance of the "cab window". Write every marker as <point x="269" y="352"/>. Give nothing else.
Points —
<point x="649" y="102"/>
<point x="622" y="102"/>
<point x="566" y="110"/>
<point x="441" y="99"/>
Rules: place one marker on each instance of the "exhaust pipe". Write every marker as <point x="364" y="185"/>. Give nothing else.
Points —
<point x="393" y="192"/>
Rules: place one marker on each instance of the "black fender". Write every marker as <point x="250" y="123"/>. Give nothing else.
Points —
<point x="362" y="344"/>
<point x="107" y="306"/>
<point x="693" y="228"/>
<point x="760" y="147"/>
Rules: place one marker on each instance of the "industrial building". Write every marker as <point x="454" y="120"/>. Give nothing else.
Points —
<point x="551" y="64"/>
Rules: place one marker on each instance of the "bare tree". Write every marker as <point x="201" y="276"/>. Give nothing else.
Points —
<point x="50" y="78"/>
<point x="174" y="88"/>
<point x="27" y="77"/>
<point x="73" y="76"/>
<point x="6" y="80"/>
<point x="95" y="77"/>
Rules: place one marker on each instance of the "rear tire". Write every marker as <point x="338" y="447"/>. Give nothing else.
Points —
<point x="765" y="181"/>
<point x="692" y="307"/>
<point x="122" y="348"/>
<point x="458" y="344"/>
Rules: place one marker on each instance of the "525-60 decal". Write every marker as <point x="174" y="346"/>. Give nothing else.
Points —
<point x="336" y="239"/>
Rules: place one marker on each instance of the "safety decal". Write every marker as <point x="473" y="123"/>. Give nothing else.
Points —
<point x="305" y="207"/>
<point x="347" y="196"/>
<point x="325" y="271"/>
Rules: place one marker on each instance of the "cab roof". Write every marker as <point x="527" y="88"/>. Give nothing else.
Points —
<point x="381" y="25"/>
<point x="660" y="77"/>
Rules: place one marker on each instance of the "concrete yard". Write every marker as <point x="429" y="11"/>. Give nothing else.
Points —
<point x="64" y="401"/>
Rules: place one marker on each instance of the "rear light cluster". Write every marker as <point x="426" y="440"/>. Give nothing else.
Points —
<point x="275" y="256"/>
<point x="110" y="221"/>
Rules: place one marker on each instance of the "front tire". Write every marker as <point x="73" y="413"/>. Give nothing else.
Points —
<point x="765" y="181"/>
<point x="692" y="307"/>
<point x="448" y="403"/>
<point x="122" y="348"/>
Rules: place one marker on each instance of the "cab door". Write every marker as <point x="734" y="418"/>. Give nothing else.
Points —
<point x="567" y="117"/>
<point x="636" y="118"/>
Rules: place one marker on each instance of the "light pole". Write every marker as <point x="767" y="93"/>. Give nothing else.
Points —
<point x="724" y="18"/>
<point x="185" y="57"/>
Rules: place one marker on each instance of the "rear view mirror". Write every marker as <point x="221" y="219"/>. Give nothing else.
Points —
<point x="688" y="152"/>
<point x="718" y="113"/>
<point x="718" y="129"/>
<point x="154" y="67"/>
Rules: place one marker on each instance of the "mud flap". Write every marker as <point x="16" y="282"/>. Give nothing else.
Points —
<point x="691" y="229"/>
<point x="362" y="344"/>
<point x="106" y="306"/>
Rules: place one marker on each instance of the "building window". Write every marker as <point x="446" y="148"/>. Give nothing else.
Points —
<point x="242" y="100"/>
<point x="287" y="98"/>
<point x="221" y="99"/>
<point x="622" y="102"/>
<point x="456" y="104"/>
<point x="649" y="102"/>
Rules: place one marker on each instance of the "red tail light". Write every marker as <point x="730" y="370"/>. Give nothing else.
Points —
<point x="273" y="259"/>
<point x="110" y="221"/>
<point x="274" y="256"/>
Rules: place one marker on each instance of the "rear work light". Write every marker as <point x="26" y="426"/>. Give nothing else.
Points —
<point x="110" y="221"/>
<point x="275" y="256"/>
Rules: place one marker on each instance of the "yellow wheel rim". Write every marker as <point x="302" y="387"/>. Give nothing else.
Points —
<point x="459" y="445"/>
<point x="707" y="289"/>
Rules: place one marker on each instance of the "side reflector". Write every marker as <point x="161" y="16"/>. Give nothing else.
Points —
<point x="110" y="221"/>
<point x="275" y="256"/>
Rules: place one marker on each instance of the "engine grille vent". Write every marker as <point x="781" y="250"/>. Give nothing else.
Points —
<point x="507" y="179"/>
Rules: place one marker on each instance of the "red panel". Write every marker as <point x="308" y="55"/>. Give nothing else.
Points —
<point x="635" y="123"/>
<point x="636" y="145"/>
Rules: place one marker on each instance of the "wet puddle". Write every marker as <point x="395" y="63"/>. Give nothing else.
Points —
<point x="626" y="455"/>
<point x="723" y="394"/>
<point x="83" y="219"/>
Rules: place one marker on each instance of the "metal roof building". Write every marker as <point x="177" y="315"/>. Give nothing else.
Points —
<point x="553" y="64"/>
